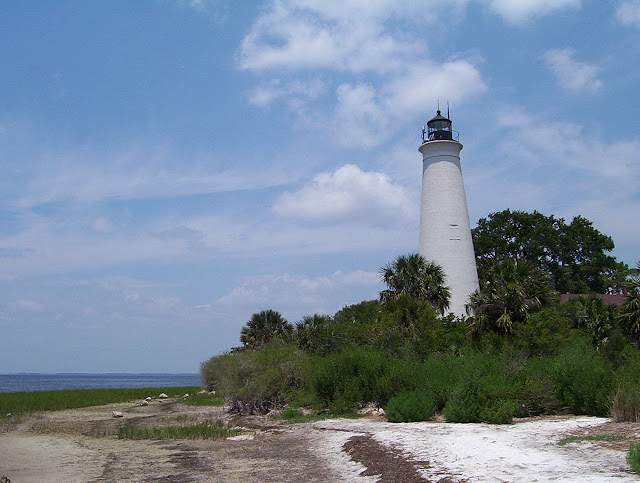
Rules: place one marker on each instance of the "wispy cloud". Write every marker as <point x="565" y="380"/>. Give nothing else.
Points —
<point x="518" y="11"/>
<point x="628" y="13"/>
<point x="362" y="39"/>
<point x="572" y="75"/>
<point x="297" y="295"/>
<point x="92" y="174"/>
<point x="558" y="167"/>
<point x="297" y="91"/>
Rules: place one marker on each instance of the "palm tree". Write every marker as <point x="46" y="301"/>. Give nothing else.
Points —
<point x="630" y="315"/>
<point x="414" y="276"/>
<point x="264" y="327"/>
<point x="310" y="333"/>
<point x="514" y="289"/>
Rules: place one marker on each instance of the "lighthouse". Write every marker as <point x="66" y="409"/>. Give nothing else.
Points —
<point x="445" y="232"/>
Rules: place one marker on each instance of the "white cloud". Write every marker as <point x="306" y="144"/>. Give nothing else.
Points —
<point x="296" y="295"/>
<point x="423" y="83"/>
<point x="561" y="144"/>
<point x="518" y="11"/>
<point x="381" y="39"/>
<point x="365" y="117"/>
<point x="358" y="119"/>
<point x="348" y="195"/>
<point x="298" y="91"/>
<point x="628" y="13"/>
<point x="572" y="75"/>
<point x="345" y="36"/>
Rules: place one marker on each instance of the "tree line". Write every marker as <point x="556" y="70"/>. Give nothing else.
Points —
<point x="519" y="352"/>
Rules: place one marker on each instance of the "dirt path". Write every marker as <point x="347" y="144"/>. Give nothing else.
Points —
<point x="81" y="446"/>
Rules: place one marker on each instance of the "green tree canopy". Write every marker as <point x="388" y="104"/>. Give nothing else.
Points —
<point x="414" y="276"/>
<point x="574" y="255"/>
<point x="263" y="327"/>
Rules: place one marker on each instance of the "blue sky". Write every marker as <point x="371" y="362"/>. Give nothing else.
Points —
<point x="168" y="168"/>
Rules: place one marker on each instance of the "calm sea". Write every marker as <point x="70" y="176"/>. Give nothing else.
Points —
<point x="56" y="382"/>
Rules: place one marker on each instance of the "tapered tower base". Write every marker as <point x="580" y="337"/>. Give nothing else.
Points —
<point x="445" y="232"/>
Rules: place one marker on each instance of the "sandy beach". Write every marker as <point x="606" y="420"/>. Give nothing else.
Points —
<point x="80" y="446"/>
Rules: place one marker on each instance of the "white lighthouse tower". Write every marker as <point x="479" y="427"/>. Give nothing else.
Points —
<point x="445" y="232"/>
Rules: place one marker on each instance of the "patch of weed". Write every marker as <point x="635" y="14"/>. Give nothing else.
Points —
<point x="600" y="437"/>
<point x="204" y="430"/>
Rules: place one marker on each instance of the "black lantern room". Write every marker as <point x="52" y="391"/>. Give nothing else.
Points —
<point x="438" y="128"/>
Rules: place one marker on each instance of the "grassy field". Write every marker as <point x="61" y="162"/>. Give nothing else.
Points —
<point x="18" y="403"/>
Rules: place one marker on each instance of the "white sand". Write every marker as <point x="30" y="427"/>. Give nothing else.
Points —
<point x="523" y="452"/>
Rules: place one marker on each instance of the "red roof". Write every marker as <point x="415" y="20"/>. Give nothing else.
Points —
<point x="609" y="299"/>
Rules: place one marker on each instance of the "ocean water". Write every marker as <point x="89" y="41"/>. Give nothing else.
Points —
<point x="56" y="382"/>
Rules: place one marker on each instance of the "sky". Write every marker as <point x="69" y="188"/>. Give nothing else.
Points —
<point x="169" y="168"/>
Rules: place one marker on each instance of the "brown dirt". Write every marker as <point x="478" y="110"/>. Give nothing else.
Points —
<point x="81" y="445"/>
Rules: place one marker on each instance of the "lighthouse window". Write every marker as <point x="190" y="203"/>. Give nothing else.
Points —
<point x="454" y="232"/>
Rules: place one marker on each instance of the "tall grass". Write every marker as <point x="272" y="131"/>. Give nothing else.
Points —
<point x="17" y="403"/>
<point x="203" y="430"/>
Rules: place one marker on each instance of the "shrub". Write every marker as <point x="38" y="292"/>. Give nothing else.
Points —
<point x="634" y="457"/>
<point x="417" y="405"/>
<point x="400" y="376"/>
<point x="343" y="380"/>
<point x="584" y="381"/>
<point x="625" y="404"/>
<point x="465" y="403"/>
<point x="536" y="391"/>
<point x="257" y="381"/>
<point x="500" y="411"/>
<point x="485" y="393"/>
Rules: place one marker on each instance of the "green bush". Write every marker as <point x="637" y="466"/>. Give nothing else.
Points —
<point x="343" y="380"/>
<point x="584" y="380"/>
<point x="536" y="392"/>
<point x="406" y="407"/>
<point x="257" y="380"/>
<point x="465" y="403"/>
<point x="487" y="391"/>
<point x="401" y="375"/>
<point x="634" y="457"/>
<point x="500" y="411"/>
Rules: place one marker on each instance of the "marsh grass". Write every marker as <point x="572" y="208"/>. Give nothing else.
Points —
<point x="580" y="439"/>
<point x="203" y="430"/>
<point x="633" y="458"/>
<point x="18" y="403"/>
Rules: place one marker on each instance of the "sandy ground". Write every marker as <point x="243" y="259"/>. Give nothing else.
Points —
<point x="80" y="446"/>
